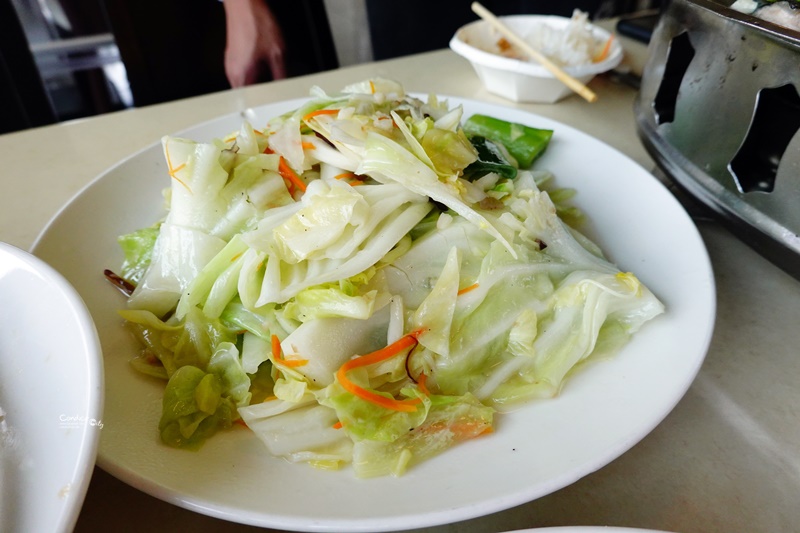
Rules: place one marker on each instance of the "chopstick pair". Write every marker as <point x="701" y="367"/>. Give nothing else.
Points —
<point x="554" y="69"/>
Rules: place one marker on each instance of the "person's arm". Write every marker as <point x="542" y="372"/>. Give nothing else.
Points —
<point x="254" y="39"/>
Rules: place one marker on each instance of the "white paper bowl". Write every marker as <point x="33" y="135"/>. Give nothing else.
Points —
<point x="523" y="81"/>
<point x="51" y="396"/>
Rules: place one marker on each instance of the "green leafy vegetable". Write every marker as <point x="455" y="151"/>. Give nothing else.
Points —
<point x="490" y="159"/>
<point x="138" y="249"/>
<point x="524" y="143"/>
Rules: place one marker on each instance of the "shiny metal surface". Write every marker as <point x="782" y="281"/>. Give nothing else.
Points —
<point x="719" y="111"/>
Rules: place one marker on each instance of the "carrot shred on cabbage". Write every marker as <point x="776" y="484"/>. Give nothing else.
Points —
<point x="467" y="289"/>
<point x="288" y="174"/>
<point x="345" y="176"/>
<point x="277" y="355"/>
<point x="318" y="112"/>
<point x="422" y="381"/>
<point x="173" y="170"/>
<point x="275" y="343"/>
<point x="403" y="343"/>
<point x="352" y="178"/>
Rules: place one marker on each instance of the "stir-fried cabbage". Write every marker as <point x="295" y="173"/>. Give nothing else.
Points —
<point x="364" y="281"/>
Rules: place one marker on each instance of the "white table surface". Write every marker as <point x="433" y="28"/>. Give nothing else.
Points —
<point x="726" y="459"/>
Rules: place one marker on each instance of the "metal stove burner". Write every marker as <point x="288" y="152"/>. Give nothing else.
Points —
<point x="719" y="111"/>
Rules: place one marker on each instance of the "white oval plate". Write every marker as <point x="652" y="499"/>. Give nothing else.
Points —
<point x="535" y="450"/>
<point x="51" y="396"/>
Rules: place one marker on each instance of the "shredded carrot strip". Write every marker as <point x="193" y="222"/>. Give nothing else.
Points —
<point x="259" y="133"/>
<point x="344" y="176"/>
<point x="307" y="145"/>
<point x="276" y="347"/>
<point x="235" y="257"/>
<point x="270" y="398"/>
<point x="292" y="363"/>
<point x="406" y="341"/>
<point x="282" y="170"/>
<point x="422" y="381"/>
<point x="406" y="406"/>
<point x="176" y="169"/>
<point x="318" y="112"/>
<point x="353" y="178"/>
<point x="337" y="425"/>
<point x="288" y="174"/>
<point x="606" y="49"/>
<point x="172" y="170"/>
<point x="467" y="289"/>
<point x="229" y="139"/>
<point x="403" y="343"/>
<point x="277" y="355"/>
<point x="371" y="87"/>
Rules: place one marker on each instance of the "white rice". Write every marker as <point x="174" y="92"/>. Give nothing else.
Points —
<point x="569" y="46"/>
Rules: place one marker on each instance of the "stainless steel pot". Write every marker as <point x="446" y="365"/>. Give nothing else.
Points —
<point x="719" y="111"/>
